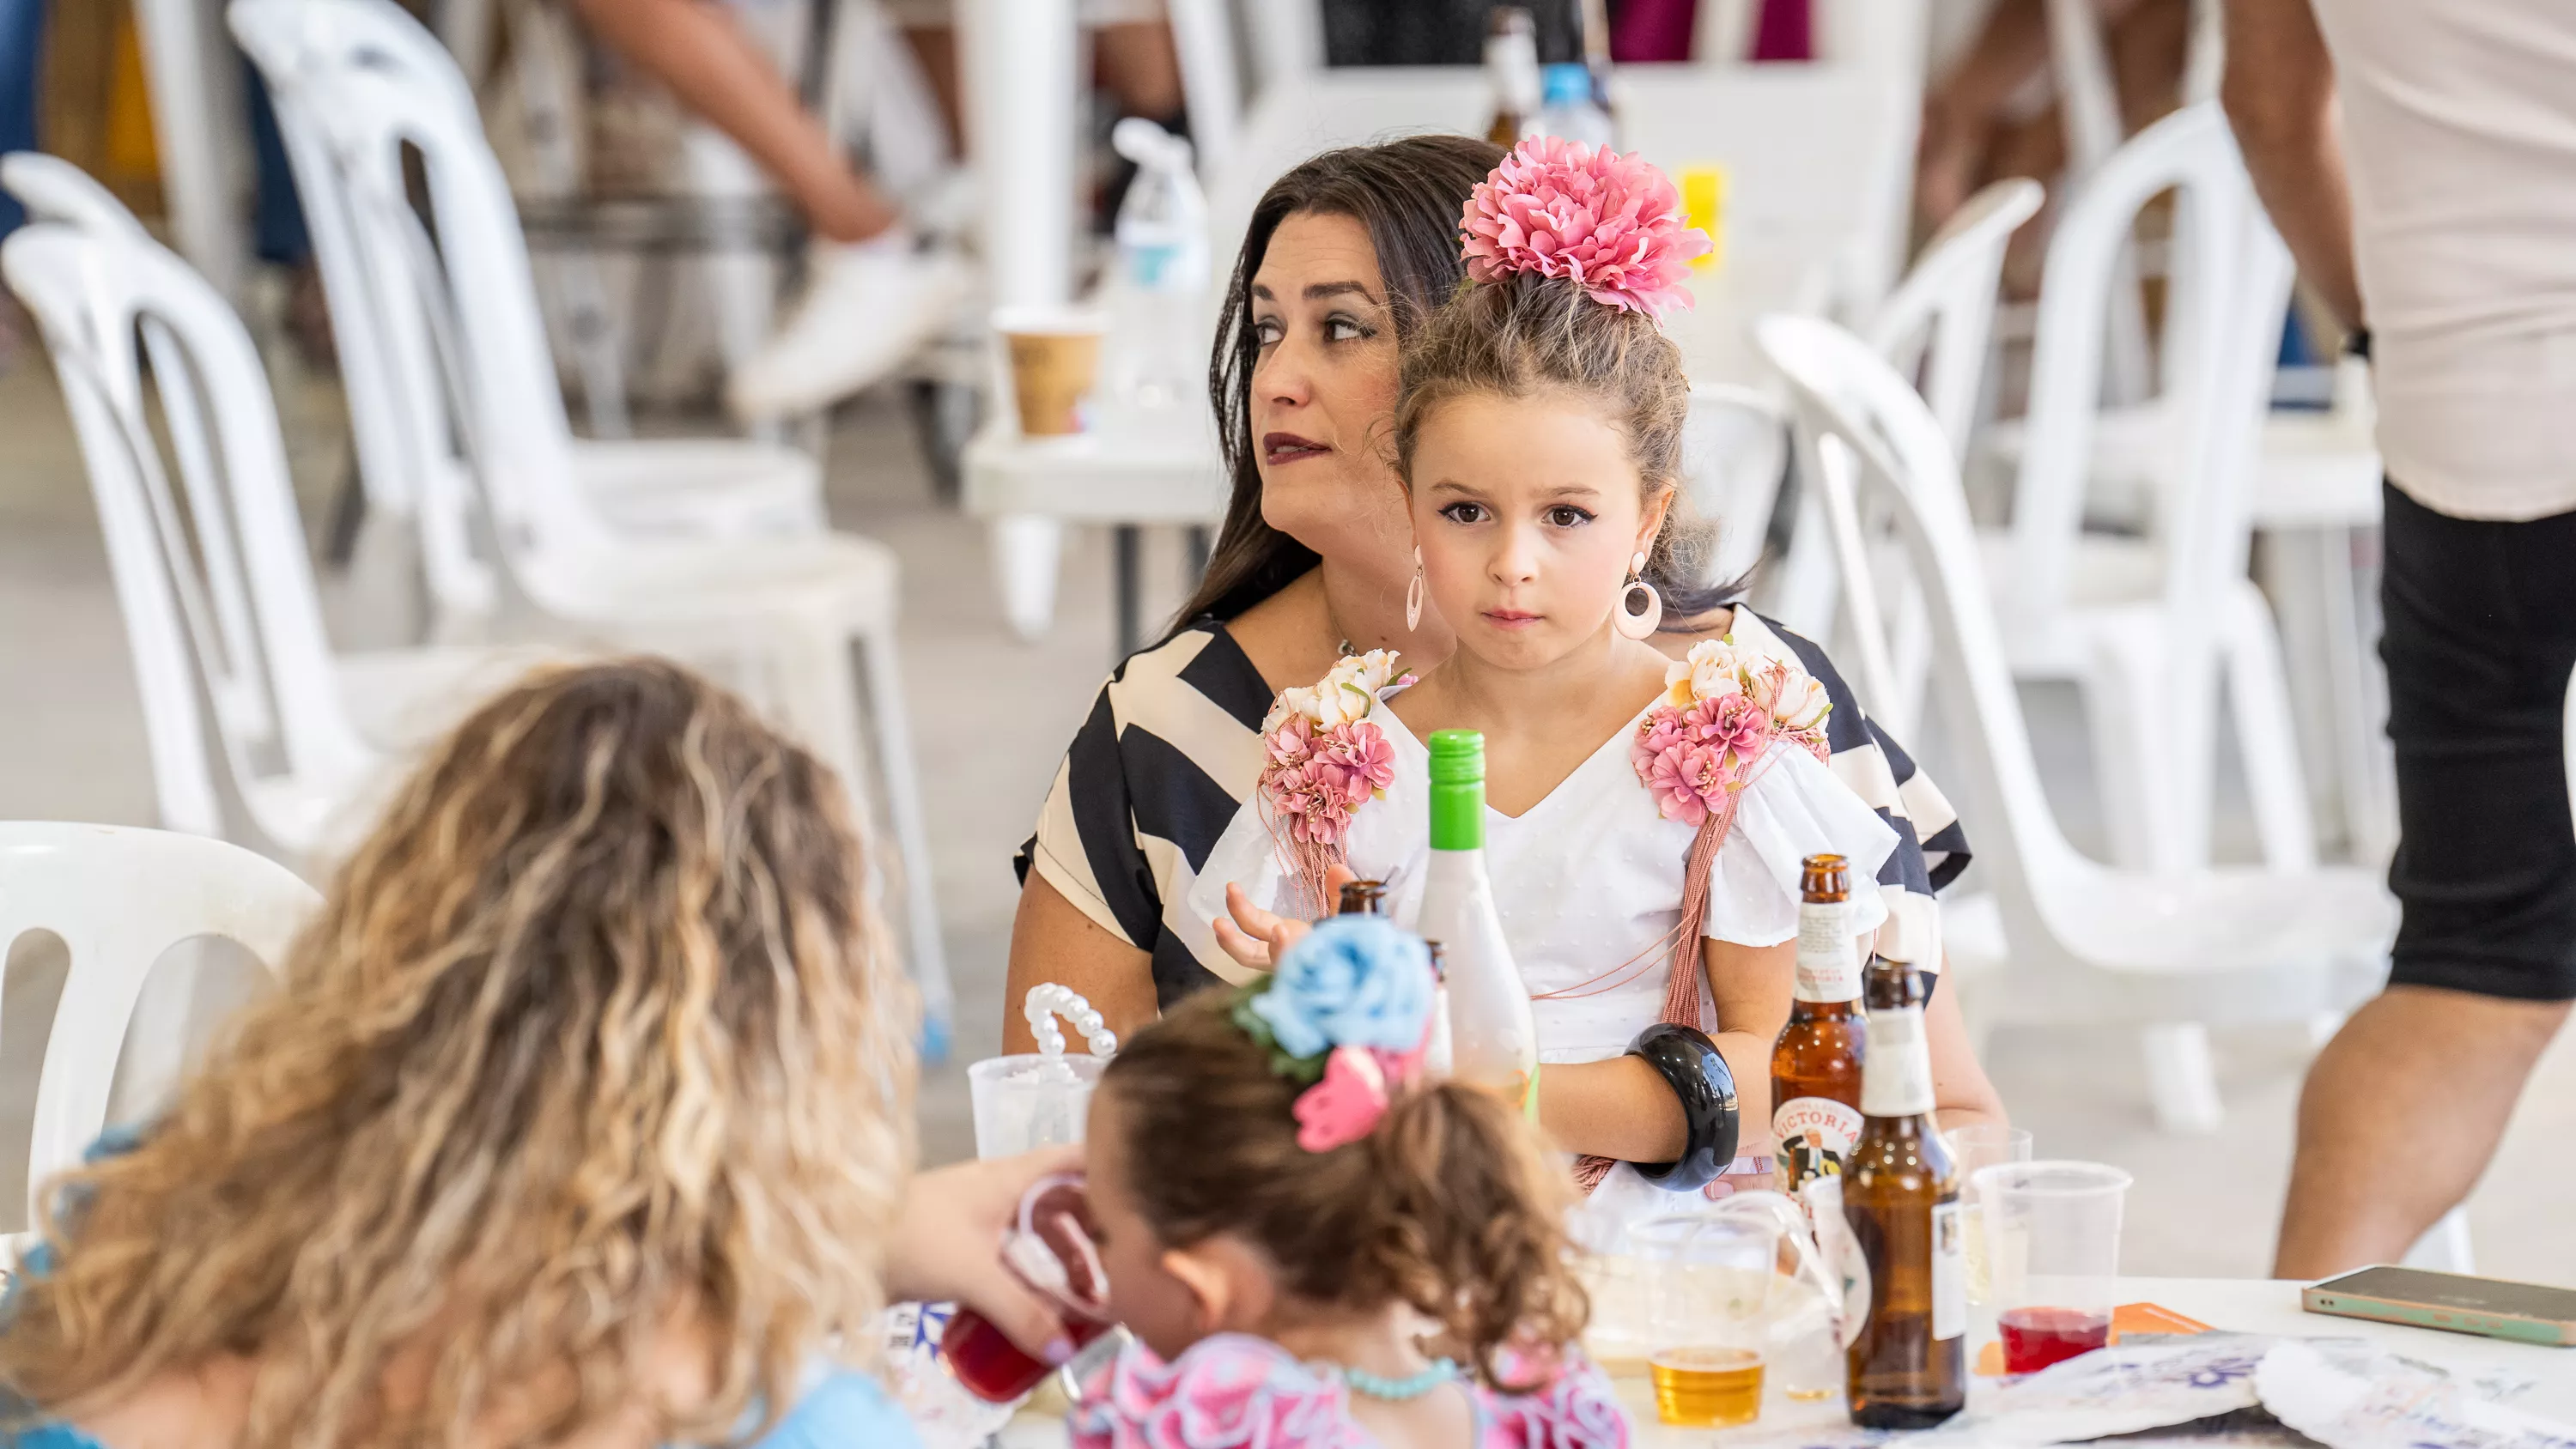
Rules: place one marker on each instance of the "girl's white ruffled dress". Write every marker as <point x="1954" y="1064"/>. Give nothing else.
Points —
<point x="1588" y="882"/>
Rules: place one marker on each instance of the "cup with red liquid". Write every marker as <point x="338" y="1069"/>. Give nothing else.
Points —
<point x="1051" y="1250"/>
<point x="2053" y="1250"/>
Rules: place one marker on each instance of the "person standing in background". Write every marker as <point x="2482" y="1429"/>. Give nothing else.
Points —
<point x="2444" y="234"/>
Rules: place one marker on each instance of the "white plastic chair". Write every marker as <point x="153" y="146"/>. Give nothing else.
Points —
<point x="1938" y="327"/>
<point x="211" y="572"/>
<point x="2076" y="941"/>
<point x="317" y="53"/>
<point x="119" y="898"/>
<point x="1735" y="446"/>
<point x="776" y="616"/>
<point x="2132" y="618"/>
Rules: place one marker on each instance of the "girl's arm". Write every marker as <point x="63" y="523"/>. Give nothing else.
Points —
<point x="1752" y="986"/>
<point x="1624" y="1108"/>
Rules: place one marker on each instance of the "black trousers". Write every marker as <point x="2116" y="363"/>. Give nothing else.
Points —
<point x="2481" y="637"/>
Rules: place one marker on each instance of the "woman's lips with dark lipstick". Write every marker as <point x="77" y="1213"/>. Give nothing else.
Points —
<point x="1288" y="448"/>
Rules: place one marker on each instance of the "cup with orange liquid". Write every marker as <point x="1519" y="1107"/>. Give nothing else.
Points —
<point x="1709" y="1286"/>
<point x="2052" y="1232"/>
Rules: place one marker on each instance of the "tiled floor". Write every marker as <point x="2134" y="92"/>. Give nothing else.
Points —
<point x="71" y="747"/>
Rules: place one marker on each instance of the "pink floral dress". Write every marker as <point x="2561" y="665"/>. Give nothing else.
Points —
<point x="1234" y="1391"/>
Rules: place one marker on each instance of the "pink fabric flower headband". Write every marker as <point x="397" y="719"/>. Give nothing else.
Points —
<point x="1560" y="208"/>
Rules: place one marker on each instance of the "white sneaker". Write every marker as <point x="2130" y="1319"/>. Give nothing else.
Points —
<point x="870" y="307"/>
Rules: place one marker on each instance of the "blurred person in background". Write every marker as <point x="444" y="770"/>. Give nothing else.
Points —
<point x="1994" y="114"/>
<point x="2444" y="234"/>
<point x="876" y="296"/>
<point x="1345" y="256"/>
<point x="583" y="1116"/>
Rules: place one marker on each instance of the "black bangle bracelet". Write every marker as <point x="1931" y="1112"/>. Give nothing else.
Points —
<point x="1689" y="1062"/>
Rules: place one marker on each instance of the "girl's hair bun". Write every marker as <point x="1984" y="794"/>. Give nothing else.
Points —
<point x="1610" y="223"/>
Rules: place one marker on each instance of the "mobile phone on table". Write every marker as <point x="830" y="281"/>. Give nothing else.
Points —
<point x="2453" y="1302"/>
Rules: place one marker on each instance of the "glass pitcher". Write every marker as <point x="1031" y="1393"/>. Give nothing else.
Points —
<point x="1739" y="1273"/>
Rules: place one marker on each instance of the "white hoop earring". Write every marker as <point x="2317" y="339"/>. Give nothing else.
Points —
<point x="1413" y="596"/>
<point x="1638" y="618"/>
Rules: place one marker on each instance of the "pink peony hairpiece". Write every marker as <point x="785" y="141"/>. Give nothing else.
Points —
<point x="1560" y="208"/>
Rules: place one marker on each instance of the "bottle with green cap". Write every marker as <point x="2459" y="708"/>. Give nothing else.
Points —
<point x="1493" y="1040"/>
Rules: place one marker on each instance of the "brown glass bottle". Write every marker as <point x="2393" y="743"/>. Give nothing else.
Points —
<point x="1816" y="1063"/>
<point x="1363" y="898"/>
<point x="1909" y="1367"/>
<point x="1511" y="70"/>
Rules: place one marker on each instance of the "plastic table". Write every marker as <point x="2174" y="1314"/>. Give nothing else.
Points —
<point x="2236" y="1304"/>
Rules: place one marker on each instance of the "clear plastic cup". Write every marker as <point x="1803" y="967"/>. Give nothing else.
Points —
<point x="2052" y="1232"/>
<point x="1030" y="1100"/>
<point x="1976" y="1148"/>
<point x="1709" y="1283"/>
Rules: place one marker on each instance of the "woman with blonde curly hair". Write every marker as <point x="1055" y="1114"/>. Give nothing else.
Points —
<point x="583" y="1118"/>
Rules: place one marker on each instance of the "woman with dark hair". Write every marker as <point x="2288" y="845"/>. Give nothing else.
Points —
<point x="1345" y="257"/>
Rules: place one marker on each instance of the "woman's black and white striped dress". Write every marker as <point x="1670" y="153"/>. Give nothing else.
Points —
<point x="1173" y="745"/>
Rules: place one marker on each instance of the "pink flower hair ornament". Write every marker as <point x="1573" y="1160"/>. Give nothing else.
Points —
<point x="1611" y="223"/>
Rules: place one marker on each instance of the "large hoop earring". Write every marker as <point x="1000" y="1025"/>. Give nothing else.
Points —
<point x="1638" y="618"/>
<point x="1413" y="596"/>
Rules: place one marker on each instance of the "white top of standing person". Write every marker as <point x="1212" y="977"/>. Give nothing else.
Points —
<point x="2462" y="155"/>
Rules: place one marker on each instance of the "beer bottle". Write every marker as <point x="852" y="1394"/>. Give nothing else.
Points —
<point x="1816" y="1064"/>
<point x="1909" y="1368"/>
<point x="1511" y="70"/>
<point x="1363" y="898"/>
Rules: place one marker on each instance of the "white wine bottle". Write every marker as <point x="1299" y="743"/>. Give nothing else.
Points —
<point x="1493" y="1039"/>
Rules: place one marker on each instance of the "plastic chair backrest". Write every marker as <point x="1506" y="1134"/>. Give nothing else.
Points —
<point x="369" y="81"/>
<point x="218" y="563"/>
<point x="2227" y="267"/>
<point x="1735" y="446"/>
<point x="381" y="420"/>
<point x="1900" y="469"/>
<point x="1941" y="318"/>
<point x="119" y="898"/>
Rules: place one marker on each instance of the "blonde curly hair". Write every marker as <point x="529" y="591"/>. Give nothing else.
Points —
<point x="594" y="1036"/>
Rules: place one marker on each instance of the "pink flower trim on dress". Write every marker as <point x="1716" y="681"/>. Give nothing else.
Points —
<point x="1560" y="208"/>
<point x="1322" y="760"/>
<point x="1234" y="1391"/>
<point x="1723" y="709"/>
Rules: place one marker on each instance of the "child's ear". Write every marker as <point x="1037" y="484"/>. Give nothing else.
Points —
<point x="1652" y="525"/>
<point x="1228" y="1284"/>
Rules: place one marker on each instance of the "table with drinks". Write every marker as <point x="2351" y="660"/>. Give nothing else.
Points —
<point x="1899" y="1276"/>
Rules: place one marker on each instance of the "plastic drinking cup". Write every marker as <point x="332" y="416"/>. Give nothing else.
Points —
<point x="2052" y="1232"/>
<point x="1709" y="1284"/>
<point x="1976" y="1148"/>
<point x="1029" y="1100"/>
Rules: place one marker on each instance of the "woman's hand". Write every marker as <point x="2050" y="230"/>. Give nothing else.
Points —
<point x="948" y="1245"/>
<point x="1256" y="938"/>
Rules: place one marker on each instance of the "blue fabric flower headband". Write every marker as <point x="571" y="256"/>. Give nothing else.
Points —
<point x="1348" y="1012"/>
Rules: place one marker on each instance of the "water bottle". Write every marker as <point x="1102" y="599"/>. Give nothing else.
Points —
<point x="1156" y="363"/>
<point x="1571" y="111"/>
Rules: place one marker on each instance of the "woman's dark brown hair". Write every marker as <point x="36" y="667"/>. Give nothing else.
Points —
<point x="1408" y="193"/>
<point x="1527" y="334"/>
<point x="1450" y="1206"/>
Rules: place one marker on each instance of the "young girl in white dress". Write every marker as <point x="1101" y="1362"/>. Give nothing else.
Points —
<point x="1646" y="818"/>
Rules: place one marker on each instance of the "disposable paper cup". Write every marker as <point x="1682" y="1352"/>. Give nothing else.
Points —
<point x="1055" y="363"/>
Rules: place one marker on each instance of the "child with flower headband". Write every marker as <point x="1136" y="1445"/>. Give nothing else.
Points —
<point x="1647" y="817"/>
<point x="1316" y="1245"/>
